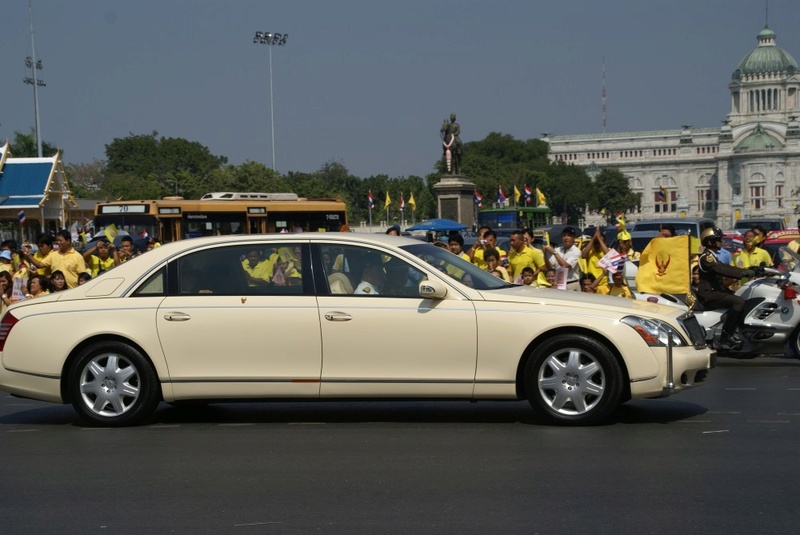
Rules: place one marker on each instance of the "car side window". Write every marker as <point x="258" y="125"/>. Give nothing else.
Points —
<point x="256" y="269"/>
<point x="366" y="272"/>
<point x="154" y="285"/>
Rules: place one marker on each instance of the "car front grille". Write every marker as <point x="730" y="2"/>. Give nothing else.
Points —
<point x="696" y="332"/>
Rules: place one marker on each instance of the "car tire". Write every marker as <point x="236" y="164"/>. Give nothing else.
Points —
<point x="112" y="384"/>
<point x="794" y="343"/>
<point x="573" y="380"/>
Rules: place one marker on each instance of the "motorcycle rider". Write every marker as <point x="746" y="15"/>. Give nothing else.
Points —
<point x="713" y="293"/>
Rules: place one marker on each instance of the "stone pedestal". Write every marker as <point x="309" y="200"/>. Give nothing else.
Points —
<point x="455" y="199"/>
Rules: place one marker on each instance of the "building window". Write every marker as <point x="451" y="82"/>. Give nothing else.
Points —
<point x="756" y="197"/>
<point x="779" y="195"/>
<point x="707" y="199"/>
<point x="665" y="201"/>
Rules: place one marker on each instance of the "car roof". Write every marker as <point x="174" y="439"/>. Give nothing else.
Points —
<point x="673" y="220"/>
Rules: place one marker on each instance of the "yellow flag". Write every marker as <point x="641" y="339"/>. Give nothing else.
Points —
<point x="388" y="202"/>
<point x="540" y="198"/>
<point x="412" y="203"/>
<point x="664" y="266"/>
<point x="517" y="194"/>
<point x="111" y="232"/>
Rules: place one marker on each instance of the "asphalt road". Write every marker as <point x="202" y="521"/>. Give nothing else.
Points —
<point x="720" y="459"/>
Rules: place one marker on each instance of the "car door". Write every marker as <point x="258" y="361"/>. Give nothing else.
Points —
<point x="224" y="335"/>
<point x="383" y="340"/>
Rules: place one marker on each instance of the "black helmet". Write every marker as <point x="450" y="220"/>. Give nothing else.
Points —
<point x="710" y="235"/>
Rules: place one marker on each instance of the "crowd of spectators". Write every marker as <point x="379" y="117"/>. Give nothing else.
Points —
<point x="566" y="266"/>
<point x="54" y="265"/>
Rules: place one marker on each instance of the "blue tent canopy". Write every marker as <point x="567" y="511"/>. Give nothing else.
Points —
<point x="438" y="225"/>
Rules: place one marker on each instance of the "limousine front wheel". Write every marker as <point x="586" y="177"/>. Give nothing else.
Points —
<point x="573" y="380"/>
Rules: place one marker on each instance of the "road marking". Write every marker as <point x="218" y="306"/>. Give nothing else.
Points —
<point x="769" y="421"/>
<point x="724" y="412"/>
<point x="789" y="414"/>
<point x="255" y="524"/>
<point x="698" y="421"/>
<point x="741" y="389"/>
<point x="718" y="431"/>
<point x="23" y="430"/>
<point x="163" y="426"/>
<point x="236" y="425"/>
<point x="307" y="423"/>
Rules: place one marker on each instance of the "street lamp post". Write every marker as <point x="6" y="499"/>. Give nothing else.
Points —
<point x="269" y="39"/>
<point x="34" y="65"/>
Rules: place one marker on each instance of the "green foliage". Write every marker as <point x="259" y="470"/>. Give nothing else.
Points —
<point x="148" y="166"/>
<point x="613" y="193"/>
<point x="24" y="146"/>
<point x="163" y="166"/>
<point x="499" y="160"/>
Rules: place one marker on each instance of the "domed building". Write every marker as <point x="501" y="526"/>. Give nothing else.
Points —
<point x="748" y="167"/>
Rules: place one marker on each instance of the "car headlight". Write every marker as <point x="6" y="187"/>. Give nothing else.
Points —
<point x="654" y="332"/>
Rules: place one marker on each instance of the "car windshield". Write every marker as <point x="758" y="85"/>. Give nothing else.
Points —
<point x="787" y="260"/>
<point x="456" y="267"/>
<point x="680" y="228"/>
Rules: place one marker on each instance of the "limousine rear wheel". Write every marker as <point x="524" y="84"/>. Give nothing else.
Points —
<point x="112" y="384"/>
<point x="573" y="380"/>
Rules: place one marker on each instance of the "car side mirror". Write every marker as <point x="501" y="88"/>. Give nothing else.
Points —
<point x="432" y="289"/>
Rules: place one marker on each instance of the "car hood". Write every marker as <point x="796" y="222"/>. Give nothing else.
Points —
<point x="603" y="305"/>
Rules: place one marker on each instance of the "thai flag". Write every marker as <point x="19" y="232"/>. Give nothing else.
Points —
<point x="21" y="217"/>
<point x="370" y="200"/>
<point x="661" y="194"/>
<point x="402" y="202"/>
<point x="528" y="194"/>
<point x="501" y="197"/>
<point x="478" y="199"/>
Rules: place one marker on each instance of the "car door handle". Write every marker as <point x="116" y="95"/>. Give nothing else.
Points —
<point x="177" y="316"/>
<point x="338" y="316"/>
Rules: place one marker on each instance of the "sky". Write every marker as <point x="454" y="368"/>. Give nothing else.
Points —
<point x="367" y="83"/>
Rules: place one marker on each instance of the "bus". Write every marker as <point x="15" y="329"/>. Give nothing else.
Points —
<point x="175" y="218"/>
<point x="506" y="219"/>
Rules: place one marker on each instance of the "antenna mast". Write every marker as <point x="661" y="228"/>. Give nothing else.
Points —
<point x="603" y="95"/>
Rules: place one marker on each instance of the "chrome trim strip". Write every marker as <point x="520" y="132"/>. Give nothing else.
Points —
<point x="315" y="379"/>
<point x="42" y="375"/>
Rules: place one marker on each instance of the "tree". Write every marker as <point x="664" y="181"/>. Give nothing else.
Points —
<point x="569" y="189"/>
<point x="24" y="146"/>
<point x="613" y="193"/>
<point x="86" y="179"/>
<point x="175" y="165"/>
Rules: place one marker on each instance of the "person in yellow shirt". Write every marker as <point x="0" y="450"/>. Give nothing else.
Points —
<point x="45" y="245"/>
<point x="67" y="260"/>
<point x="618" y="289"/>
<point x="105" y="259"/>
<point x="258" y="271"/>
<point x="492" y="258"/>
<point x="521" y="256"/>
<point x="455" y="242"/>
<point x="487" y="240"/>
<point x="751" y="255"/>
<point x="5" y="261"/>
<point x="594" y="250"/>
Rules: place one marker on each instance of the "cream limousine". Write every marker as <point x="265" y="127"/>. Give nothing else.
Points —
<point x="337" y="316"/>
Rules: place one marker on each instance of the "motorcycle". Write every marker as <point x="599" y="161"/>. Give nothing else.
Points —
<point x="771" y="316"/>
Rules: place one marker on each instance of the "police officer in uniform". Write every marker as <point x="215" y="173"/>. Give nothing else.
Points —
<point x="713" y="293"/>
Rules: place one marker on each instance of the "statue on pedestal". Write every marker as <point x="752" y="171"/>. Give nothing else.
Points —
<point x="451" y="145"/>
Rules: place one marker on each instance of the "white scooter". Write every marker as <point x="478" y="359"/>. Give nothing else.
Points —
<point x="771" y="324"/>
